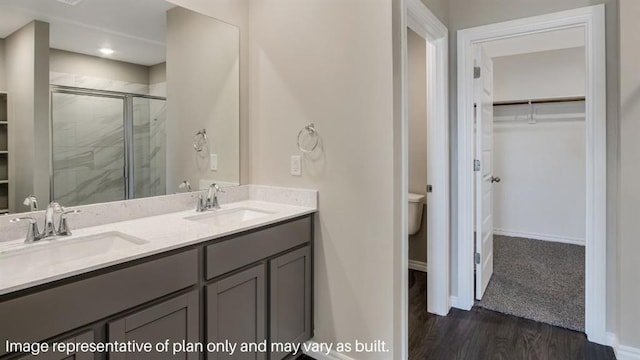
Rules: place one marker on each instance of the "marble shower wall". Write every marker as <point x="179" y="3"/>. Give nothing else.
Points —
<point x="88" y="149"/>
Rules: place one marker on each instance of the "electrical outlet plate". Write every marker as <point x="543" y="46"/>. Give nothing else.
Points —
<point x="213" y="162"/>
<point x="296" y="165"/>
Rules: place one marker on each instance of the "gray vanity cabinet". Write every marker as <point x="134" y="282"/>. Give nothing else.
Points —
<point x="253" y="287"/>
<point x="175" y="320"/>
<point x="290" y="299"/>
<point x="236" y="312"/>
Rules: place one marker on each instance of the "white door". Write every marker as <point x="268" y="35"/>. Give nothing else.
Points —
<point x="483" y="98"/>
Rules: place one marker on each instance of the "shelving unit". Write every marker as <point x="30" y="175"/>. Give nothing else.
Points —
<point x="4" y="153"/>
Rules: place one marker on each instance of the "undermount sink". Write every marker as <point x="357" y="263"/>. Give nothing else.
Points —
<point x="61" y="250"/>
<point x="228" y="217"/>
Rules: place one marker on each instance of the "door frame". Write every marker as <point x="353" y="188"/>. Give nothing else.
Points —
<point x="424" y="23"/>
<point x="415" y="15"/>
<point x="593" y="21"/>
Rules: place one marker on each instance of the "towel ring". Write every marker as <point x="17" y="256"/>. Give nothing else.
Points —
<point x="200" y="140"/>
<point x="311" y="132"/>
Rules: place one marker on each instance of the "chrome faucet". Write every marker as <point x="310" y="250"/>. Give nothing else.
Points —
<point x="34" y="234"/>
<point x="31" y="202"/>
<point x="185" y="185"/>
<point x="211" y="201"/>
<point x="63" y="226"/>
<point x="52" y="209"/>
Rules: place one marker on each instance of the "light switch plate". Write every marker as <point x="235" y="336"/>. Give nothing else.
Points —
<point x="213" y="162"/>
<point x="296" y="166"/>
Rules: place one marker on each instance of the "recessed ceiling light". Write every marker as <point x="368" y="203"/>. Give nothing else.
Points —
<point x="70" y="2"/>
<point x="106" y="51"/>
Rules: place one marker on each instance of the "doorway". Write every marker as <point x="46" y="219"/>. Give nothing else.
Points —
<point x="530" y="141"/>
<point x="475" y="172"/>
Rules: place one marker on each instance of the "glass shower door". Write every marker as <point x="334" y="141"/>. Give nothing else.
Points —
<point x="149" y="156"/>
<point x="88" y="148"/>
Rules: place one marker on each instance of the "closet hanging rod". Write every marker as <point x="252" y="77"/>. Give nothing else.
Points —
<point x="540" y="101"/>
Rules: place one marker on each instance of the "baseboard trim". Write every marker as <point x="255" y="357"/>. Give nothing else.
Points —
<point x="627" y="353"/>
<point x="417" y="265"/>
<point x="455" y="303"/>
<point x="622" y="352"/>
<point x="333" y="355"/>
<point x="612" y="340"/>
<point x="543" y="237"/>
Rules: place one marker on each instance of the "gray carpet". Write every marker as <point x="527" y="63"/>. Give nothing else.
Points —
<point x="537" y="280"/>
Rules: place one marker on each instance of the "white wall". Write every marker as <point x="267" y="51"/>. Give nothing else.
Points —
<point x="440" y="8"/>
<point x="542" y="194"/>
<point x="96" y="67"/>
<point x="330" y="62"/>
<point x="545" y="74"/>
<point x="629" y="221"/>
<point x="235" y="12"/>
<point x="467" y="13"/>
<point x="203" y="74"/>
<point x="158" y="73"/>
<point x="417" y="60"/>
<point x="27" y="69"/>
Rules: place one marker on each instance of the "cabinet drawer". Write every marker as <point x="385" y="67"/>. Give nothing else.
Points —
<point x="243" y="250"/>
<point x="47" y="313"/>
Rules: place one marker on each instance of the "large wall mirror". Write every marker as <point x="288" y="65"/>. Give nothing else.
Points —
<point x="106" y="100"/>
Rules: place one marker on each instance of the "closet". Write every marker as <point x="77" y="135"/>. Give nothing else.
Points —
<point x="540" y="156"/>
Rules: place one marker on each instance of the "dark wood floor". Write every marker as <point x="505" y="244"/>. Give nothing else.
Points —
<point x="484" y="334"/>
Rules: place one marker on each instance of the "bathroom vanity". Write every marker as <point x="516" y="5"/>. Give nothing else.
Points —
<point x="241" y="274"/>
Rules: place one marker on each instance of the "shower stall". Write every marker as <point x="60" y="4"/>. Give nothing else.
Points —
<point x="106" y="145"/>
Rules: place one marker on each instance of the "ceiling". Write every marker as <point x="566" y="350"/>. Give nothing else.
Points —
<point x="135" y="30"/>
<point x="545" y="41"/>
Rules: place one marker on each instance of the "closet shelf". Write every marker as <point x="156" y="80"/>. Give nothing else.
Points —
<point x="539" y="101"/>
<point x="573" y="116"/>
<point x="4" y="182"/>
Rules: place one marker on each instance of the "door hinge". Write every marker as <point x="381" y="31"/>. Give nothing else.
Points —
<point x="429" y="188"/>
<point x="476" y="165"/>
<point x="477" y="258"/>
<point x="476" y="72"/>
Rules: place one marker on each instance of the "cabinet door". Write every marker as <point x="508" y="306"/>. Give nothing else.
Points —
<point x="236" y="313"/>
<point x="86" y="337"/>
<point x="290" y="295"/>
<point x="175" y="319"/>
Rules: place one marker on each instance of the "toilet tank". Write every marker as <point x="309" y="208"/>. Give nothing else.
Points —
<point x="414" y="217"/>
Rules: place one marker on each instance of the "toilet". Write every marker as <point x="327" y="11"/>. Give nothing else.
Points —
<point x="414" y="217"/>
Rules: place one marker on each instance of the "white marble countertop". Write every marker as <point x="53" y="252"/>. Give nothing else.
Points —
<point x="161" y="233"/>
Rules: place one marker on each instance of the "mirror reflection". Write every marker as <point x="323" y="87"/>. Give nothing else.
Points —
<point x="101" y="100"/>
